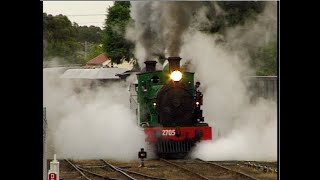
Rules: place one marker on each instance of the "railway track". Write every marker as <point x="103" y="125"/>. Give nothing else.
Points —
<point x="122" y="173"/>
<point x="169" y="169"/>
<point x="263" y="167"/>
<point x="186" y="169"/>
<point x="237" y="173"/>
<point x="259" y="165"/>
<point x="82" y="170"/>
<point x="208" y="170"/>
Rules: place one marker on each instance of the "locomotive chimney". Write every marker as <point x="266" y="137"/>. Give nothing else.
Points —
<point x="174" y="63"/>
<point x="150" y="66"/>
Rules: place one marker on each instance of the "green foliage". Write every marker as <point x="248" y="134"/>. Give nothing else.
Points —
<point x="66" y="40"/>
<point x="236" y="13"/>
<point x="61" y="38"/>
<point x="91" y="34"/>
<point x="265" y="60"/>
<point x="125" y="4"/>
<point x="94" y="51"/>
<point x="114" y="42"/>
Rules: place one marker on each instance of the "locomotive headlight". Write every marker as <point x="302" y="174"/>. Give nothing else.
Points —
<point x="176" y="75"/>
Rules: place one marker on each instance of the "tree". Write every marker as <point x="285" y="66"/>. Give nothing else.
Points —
<point x="265" y="60"/>
<point x="94" y="50"/>
<point x="90" y="34"/>
<point x="114" y="41"/>
<point x="236" y="13"/>
<point x="60" y="37"/>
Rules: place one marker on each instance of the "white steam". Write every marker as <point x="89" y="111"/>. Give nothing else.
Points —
<point x="221" y="75"/>
<point x="254" y="34"/>
<point x="242" y="130"/>
<point x="90" y="124"/>
<point x="253" y="137"/>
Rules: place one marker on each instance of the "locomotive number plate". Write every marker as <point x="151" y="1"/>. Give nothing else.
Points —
<point x="168" y="132"/>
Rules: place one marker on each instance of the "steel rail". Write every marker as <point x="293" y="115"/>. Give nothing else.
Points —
<point x="228" y="169"/>
<point x="118" y="170"/>
<point x="76" y="168"/>
<point x="144" y="175"/>
<point x="188" y="170"/>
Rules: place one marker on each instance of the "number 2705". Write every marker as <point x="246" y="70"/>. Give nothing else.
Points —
<point x="168" y="132"/>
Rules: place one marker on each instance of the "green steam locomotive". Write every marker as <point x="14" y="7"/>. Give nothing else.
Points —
<point x="169" y="109"/>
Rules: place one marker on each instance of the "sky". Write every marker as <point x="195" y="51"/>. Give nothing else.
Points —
<point x="84" y="13"/>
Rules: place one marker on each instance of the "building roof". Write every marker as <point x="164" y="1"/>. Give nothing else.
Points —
<point x="54" y="70"/>
<point x="98" y="73"/>
<point x="98" y="60"/>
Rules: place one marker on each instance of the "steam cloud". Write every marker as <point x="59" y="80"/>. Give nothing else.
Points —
<point x="90" y="124"/>
<point x="242" y="130"/>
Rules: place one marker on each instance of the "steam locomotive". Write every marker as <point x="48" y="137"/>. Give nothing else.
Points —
<point x="168" y="107"/>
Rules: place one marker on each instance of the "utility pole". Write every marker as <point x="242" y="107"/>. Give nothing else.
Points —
<point x="85" y="49"/>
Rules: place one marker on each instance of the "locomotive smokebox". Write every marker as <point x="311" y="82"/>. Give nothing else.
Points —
<point x="174" y="63"/>
<point x="150" y="66"/>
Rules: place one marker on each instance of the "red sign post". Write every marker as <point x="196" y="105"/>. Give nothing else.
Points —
<point x="52" y="176"/>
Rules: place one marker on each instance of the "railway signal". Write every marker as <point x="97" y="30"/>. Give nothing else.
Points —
<point x="53" y="173"/>
<point x="142" y="154"/>
<point x="52" y="176"/>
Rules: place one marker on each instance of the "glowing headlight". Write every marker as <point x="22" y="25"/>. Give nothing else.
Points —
<point x="176" y="75"/>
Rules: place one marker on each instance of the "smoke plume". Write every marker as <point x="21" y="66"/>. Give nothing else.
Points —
<point x="88" y="123"/>
<point x="159" y="27"/>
